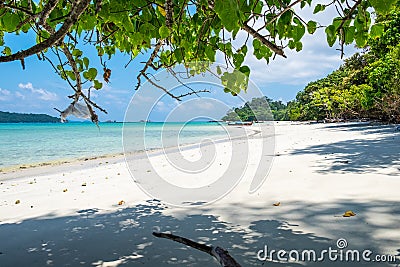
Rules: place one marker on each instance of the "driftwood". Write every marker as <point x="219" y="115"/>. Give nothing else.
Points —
<point x="219" y="253"/>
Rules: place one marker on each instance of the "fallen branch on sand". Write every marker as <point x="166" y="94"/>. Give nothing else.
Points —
<point x="219" y="253"/>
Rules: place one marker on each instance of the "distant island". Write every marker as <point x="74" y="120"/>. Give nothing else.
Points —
<point x="11" y="117"/>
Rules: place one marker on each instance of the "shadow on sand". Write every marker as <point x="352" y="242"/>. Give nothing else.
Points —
<point x="360" y="155"/>
<point x="123" y="238"/>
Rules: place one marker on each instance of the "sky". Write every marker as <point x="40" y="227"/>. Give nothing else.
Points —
<point x="37" y="89"/>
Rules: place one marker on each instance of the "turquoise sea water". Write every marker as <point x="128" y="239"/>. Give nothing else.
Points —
<point x="28" y="143"/>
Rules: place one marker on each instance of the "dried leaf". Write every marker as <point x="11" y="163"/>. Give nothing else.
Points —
<point x="65" y="190"/>
<point x="18" y="201"/>
<point x="277" y="204"/>
<point x="349" y="213"/>
<point x="107" y="75"/>
<point x="121" y="202"/>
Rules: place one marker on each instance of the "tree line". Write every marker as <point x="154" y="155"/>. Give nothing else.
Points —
<point x="11" y="117"/>
<point x="366" y="86"/>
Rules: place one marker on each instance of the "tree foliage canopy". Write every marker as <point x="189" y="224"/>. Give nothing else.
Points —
<point x="258" y="109"/>
<point x="172" y="32"/>
<point x="365" y="86"/>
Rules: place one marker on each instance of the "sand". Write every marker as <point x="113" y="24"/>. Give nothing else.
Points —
<point x="93" y="213"/>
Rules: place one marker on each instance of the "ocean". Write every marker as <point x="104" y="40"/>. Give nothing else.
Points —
<point x="32" y="143"/>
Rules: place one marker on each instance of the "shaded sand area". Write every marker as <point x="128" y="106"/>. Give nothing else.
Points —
<point x="69" y="215"/>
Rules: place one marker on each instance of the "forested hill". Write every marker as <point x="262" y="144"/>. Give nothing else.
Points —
<point x="9" y="117"/>
<point x="366" y="86"/>
<point x="258" y="109"/>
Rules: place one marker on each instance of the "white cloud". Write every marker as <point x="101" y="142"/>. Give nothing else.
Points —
<point x="160" y="106"/>
<point x="4" y="94"/>
<point x="42" y="94"/>
<point x="19" y="95"/>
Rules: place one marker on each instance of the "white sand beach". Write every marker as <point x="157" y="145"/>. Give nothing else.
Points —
<point x="92" y="213"/>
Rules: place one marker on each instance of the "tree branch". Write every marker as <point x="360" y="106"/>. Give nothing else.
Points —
<point x="57" y="36"/>
<point x="284" y="10"/>
<point x="77" y="75"/>
<point x="149" y="62"/>
<point x="46" y="11"/>
<point x="256" y="35"/>
<point x="218" y="253"/>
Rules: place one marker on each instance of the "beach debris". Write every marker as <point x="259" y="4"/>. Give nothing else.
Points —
<point x="220" y="254"/>
<point x="31" y="207"/>
<point x="76" y="109"/>
<point x="276" y="204"/>
<point x="349" y="213"/>
<point x="84" y="184"/>
<point x="17" y="201"/>
<point x="121" y="202"/>
<point x="118" y="174"/>
<point x="65" y="190"/>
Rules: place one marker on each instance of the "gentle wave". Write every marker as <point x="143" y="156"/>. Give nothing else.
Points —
<point x="30" y="143"/>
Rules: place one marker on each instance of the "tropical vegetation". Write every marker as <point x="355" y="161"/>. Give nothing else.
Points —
<point x="171" y="32"/>
<point x="366" y="86"/>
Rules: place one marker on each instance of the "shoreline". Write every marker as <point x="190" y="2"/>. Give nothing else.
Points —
<point x="46" y="167"/>
<point x="5" y="170"/>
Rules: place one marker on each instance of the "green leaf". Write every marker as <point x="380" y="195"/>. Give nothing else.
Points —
<point x="299" y="46"/>
<point x="219" y="71"/>
<point x="256" y="44"/>
<point x="97" y="85"/>
<point x="86" y="62"/>
<point x="298" y="32"/>
<point x="238" y="60"/>
<point x="382" y="6"/>
<point x="330" y="35"/>
<point x="286" y="18"/>
<point x="349" y="34"/>
<point x="361" y="38"/>
<point x="71" y="75"/>
<point x="243" y="50"/>
<point x="258" y="7"/>
<point x="228" y="12"/>
<point x="292" y="44"/>
<point x="90" y="74"/>
<point x="164" y="32"/>
<point x="376" y="31"/>
<point x="10" y="21"/>
<point x="319" y="8"/>
<point x="210" y="53"/>
<point x="311" y="26"/>
<point x="245" y="70"/>
<point x="77" y="53"/>
<point x="7" y="51"/>
<point x="179" y="53"/>
<point x="88" y="22"/>
<point x="127" y="23"/>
